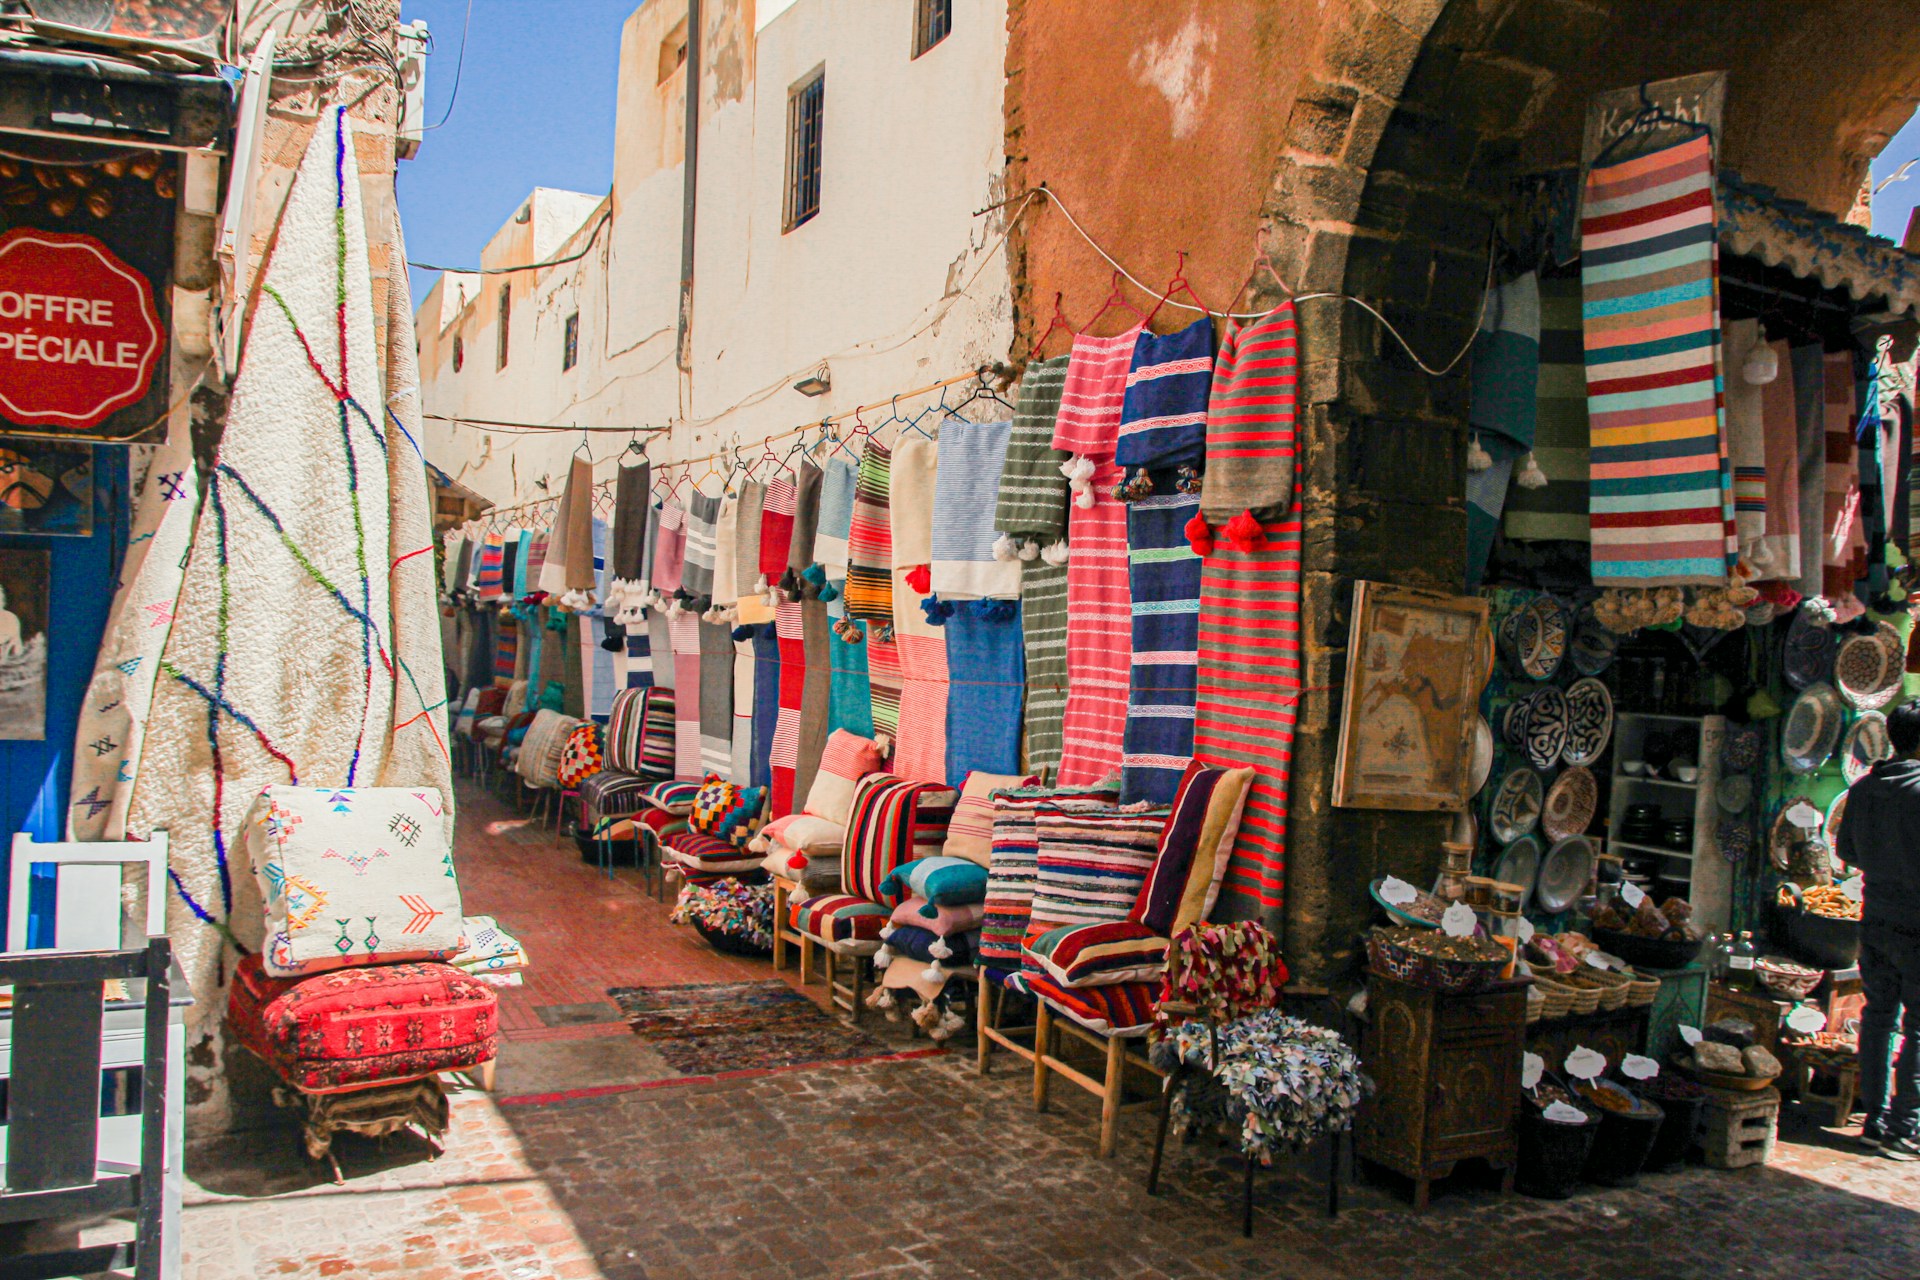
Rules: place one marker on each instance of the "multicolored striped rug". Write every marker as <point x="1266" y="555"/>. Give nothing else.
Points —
<point x="870" y="539"/>
<point x="1661" y="488"/>
<point x="1163" y="576"/>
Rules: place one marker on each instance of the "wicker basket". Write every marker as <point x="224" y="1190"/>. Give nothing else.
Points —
<point x="1536" y="1005"/>
<point x="1642" y="991"/>
<point x="1557" y="996"/>
<point x="1585" y="999"/>
<point x="1610" y="988"/>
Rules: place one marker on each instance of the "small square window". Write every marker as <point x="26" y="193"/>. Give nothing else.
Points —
<point x="932" y="23"/>
<point x="570" y="354"/>
<point x="806" y="115"/>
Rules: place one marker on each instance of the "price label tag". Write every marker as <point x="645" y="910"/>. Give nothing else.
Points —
<point x="1525" y="931"/>
<point x="1803" y="815"/>
<point x="1691" y="1035"/>
<point x="1636" y="1067"/>
<point x="1852" y="888"/>
<point x="1561" y="1113"/>
<point x="1585" y="1064"/>
<point x="1397" y="891"/>
<point x="1459" y="921"/>
<point x="1532" y="1067"/>
<point x="1632" y="894"/>
<point x="1806" y="1019"/>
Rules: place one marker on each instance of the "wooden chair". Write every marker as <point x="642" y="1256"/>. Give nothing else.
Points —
<point x="1110" y="1087"/>
<point x="989" y="1006"/>
<point x="53" y="1167"/>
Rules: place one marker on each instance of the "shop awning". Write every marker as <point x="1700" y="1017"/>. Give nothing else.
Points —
<point x="1874" y="271"/>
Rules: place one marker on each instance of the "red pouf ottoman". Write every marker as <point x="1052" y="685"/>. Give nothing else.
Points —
<point x="348" y="1029"/>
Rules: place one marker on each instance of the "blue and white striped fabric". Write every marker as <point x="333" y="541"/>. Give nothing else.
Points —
<point x="1164" y="574"/>
<point x="966" y="490"/>
<point x="703" y="513"/>
<point x="766" y="703"/>
<point x="986" y="683"/>
<point x="836" y="522"/>
<point x="1163" y="420"/>
<point x="597" y="668"/>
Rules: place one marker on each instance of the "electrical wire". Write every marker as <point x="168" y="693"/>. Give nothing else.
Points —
<point x="605" y="218"/>
<point x="459" y="65"/>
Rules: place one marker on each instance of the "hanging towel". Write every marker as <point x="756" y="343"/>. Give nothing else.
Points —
<point x="746" y="555"/>
<point x="1163" y="423"/>
<point x="596" y="669"/>
<point x="1809" y="364"/>
<point x="1099" y="603"/>
<point x="972" y="457"/>
<point x="726" y="535"/>
<point x="660" y="639"/>
<point x="1032" y="502"/>
<point x="776" y="527"/>
<point x="1778" y="554"/>
<point x="651" y="543"/>
<point x="987" y="678"/>
<point x="883" y="683"/>
<point x="920" y="745"/>
<point x="1562" y="443"/>
<point x="851" y="707"/>
<point x="745" y="672"/>
<point x="703" y="515"/>
<point x="836" y="518"/>
<point x="1661" y="513"/>
<point x="915" y="471"/>
<point x="789" y="626"/>
<point x="542" y="539"/>
<point x="1247" y="414"/>
<point x="493" y="550"/>
<point x="716" y="699"/>
<point x="1767" y="551"/>
<point x="1505" y="386"/>
<point x="1163" y="576"/>
<point x="580" y="573"/>
<point x="553" y="564"/>
<point x="684" y="631"/>
<point x="1843" y="552"/>
<point x="506" y="649"/>
<point x="766" y="703"/>
<point x="816" y="698"/>
<point x="1096" y="382"/>
<point x="631" y="498"/>
<point x="869" y="592"/>
<point x="670" y="547"/>
<point x="806" y="519"/>
<point x="1043" y="617"/>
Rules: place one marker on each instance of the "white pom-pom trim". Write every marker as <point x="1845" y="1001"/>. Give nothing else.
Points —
<point x="886" y="930"/>
<point x="939" y="949"/>
<point x="883" y="742"/>
<point x="1478" y="459"/>
<point x="1055" y="553"/>
<point x="882" y="958"/>
<point x="932" y="973"/>
<point x="1030" y="549"/>
<point x="1084" y="499"/>
<point x="1531" y="476"/>
<point x="1003" y="548"/>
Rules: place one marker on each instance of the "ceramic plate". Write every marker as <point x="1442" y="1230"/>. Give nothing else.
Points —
<point x="1516" y="806"/>
<point x="1513" y="721"/>
<point x="1740" y="750"/>
<point x="1865" y="745"/>
<point x="1812" y="730"/>
<point x="1785" y="837"/>
<point x="1570" y="802"/>
<point x="1836" y="813"/>
<point x="1513" y="629"/>
<point x="1867" y="671"/>
<point x="1734" y="793"/>
<point x="1519" y="865"/>
<point x="1542" y="639"/>
<point x="1808" y="658"/>
<point x="1563" y="874"/>
<point x="1593" y="647"/>
<point x="1736" y="839"/>
<point x="1546" y="727"/>
<point x="1589" y="721"/>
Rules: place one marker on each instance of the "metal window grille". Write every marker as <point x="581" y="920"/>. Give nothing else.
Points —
<point x="571" y="355"/>
<point x="506" y="324"/>
<point x="806" y="109"/>
<point x="932" y="23"/>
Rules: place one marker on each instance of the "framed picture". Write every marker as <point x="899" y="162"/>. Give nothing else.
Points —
<point x="23" y="645"/>
<point x="1416" y="662"/>
<point x="46" y="487"/>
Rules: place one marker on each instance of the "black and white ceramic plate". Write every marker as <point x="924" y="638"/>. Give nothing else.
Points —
<point x="1808" y="655"/>
<point x="1865" y="745"/>
<point x="1516" y="806"/>
<point x="1589" y="721"/>
<point x="1546" y="727"/>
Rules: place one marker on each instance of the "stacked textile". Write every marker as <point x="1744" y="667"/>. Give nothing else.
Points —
<point x="492" y="955"/>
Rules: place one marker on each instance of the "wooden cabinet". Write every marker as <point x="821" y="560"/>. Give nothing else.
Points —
<point x="1611" y="1033"/>
<point x="1447" y="1071"/>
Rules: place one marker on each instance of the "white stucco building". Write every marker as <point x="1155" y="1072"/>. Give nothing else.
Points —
<point x="893" y="283"/>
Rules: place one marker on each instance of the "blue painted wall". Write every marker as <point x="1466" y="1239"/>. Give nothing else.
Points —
<point x="34" y="775"/>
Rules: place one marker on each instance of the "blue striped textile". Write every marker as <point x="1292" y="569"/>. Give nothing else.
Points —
<point x="1163" y="421"/>
<point x="986" y="683"/>
<point x="1164" y="574"/>
<point x="766" y="703"/>
<point x="850" y="703"/>
<point x="966" y="492"/>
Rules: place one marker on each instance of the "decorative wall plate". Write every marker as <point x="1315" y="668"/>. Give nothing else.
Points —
<point x="1836" y="813"/>
<point x="1786" y="837"/>
<point x="1516" y="805"/>
<point x="1480" y="766"/>
<point x="1589" y="721"/>
<point x="1563" y="874"/>
<point x="1546" y="727"/>
<point x="1812" y="730"/>
<point x="1541" y="638"/>
<point x="1808" y="655"/>
<point x="1519" y="865"/>
<point x="1570" y="803"/>
<point x="1734" y="793"/>
<point x="1867" y="669"/>
<point x="1735" y="837"/>
<point x="1513" y="721"/>
<point x="1865" y="745"/>
<point x="1740" y="749"/>
<point x="1593" y="647"/>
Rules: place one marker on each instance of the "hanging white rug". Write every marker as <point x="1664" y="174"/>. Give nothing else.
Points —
<point x="279" y="667"/>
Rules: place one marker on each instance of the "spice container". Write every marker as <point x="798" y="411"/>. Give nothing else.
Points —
<point x="1480" y="892"/>
<point x="1506" y="898"/>
<point x="1451" y="887"/>
<point x="1457" y="858"/>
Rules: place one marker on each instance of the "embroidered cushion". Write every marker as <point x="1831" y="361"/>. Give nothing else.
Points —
<point x="539" y="758"/>
<point x="358" y="875"/>
<point x="970" y="834"/>
<point x="489" y="948"/>
<point x="1194" y="851"/>
<point x="1093" y="859"/>
<point x="708" y="855"/>
<point x="580" y="758"/>
<point x="333" y="1032"/>
<point x="940" y="882"/>
<point x="847" y="758"/>
<point x="945" y="921"/>
<point x="1092" y="955"/>
<point x="853" y="923"/>
<point x="675" y="796"/>
<point x="1010" y="876"/>
<point x="1117" y="1009"/>
<point x="727" y="811"/>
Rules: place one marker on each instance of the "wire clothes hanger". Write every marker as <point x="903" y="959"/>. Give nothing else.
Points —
<point x="983" y="390"/>
<point x="1119" y="296"/>
<point x="1649" y="114"/>
<point x="1177" y="285"/>
<point x="584" y="447"/>
<point x="1059" y="321"/>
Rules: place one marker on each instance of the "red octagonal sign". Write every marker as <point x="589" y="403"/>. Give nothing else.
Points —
<point x="79" y="336"/>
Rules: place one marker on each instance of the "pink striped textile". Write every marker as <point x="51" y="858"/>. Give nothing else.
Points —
<point x="776" y="526"/>
<point x="789" y="629"/>
<point x="1090" y="399"/>
<point x="920" y="753"/>
<point x="670" y="548"/>
<point x="1099" y="634"/>
<point x="684" y="634"/>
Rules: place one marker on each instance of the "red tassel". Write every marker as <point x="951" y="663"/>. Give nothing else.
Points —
<point x="1199" y="535"/>
<point x="1244" y="533"/>
<point x="920" y="578"/>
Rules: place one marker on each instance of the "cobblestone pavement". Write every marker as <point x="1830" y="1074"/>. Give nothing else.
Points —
<point x="920" y="1168"/>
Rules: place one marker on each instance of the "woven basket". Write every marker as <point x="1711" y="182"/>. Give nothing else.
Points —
<point x="1610" y="988"/>
<point x="1557" y="995"/>
<point x="1536" y="1005"/>
<point x="1641" y="991"/>
<point x="1586" y="998"/>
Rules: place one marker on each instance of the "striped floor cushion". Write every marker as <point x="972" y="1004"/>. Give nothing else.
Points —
<point x="607" y="797"/>
<point x="851" y="923"/>
<point x="707" y="854"/>
<point x="658" y="821"/>
<point x="1121" y="1009"/>
<point x="1096" y="955"/>
<point x="673" y="796"/>
<point x="1092" y="860"/>
<point x="1011" y="872"/>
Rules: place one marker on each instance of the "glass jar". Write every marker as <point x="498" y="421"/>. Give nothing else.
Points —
<point x="1740" y="958"/>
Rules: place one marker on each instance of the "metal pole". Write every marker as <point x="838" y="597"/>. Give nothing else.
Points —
<point x="689" y="190"/>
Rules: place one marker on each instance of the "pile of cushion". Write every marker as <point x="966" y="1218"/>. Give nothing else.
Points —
<point x="491" y="955"/>
<point x="805" y="845"/>
<point x="721" y="821"/>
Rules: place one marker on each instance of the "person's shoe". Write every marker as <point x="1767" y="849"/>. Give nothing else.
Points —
<point x="1902" y="1149"/>
<point x="1872" y="1137"/>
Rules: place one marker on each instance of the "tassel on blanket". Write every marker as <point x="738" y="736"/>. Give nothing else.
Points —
<point x="759" y="844"/>
<point x="939" y="949"/>
<point x="849" y="631"/>
<point x="1199" y="535"/>
<point x="1078" y="469"/>
<point x="741" y="634"/>
<point x="828" y="594"/>
<point x="937" y="611"/>
<point x="790" y="584"/>
<point x="1531" y="476"/>
<point x="1083" y="499"/>
<point x="920" y="579"/>
<point x="1478" y="459"/>
<point x="994" y="610"/>
<point x="950" y="1022"/>
<point x="883" y="957"/>
<point x="880" y="999"/>
<point x="1243" y="533"/>
<point x="883" y="742"/>
<point x="1135" y="487"/>
<point x="933" y="973"/>
<point x="1030" y="549"/>
<point x="1004" y="548"/>
<point x="886" y="930"/>
<point x="926" y="1016"/>
<point x="1056" y="553"/>
<point x="760" y="585"/>
<point x="885" y="634"/>
<point x="614" y="641"/>
<point x="814" y="576"/>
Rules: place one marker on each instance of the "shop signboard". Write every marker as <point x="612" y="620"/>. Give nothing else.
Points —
<point x="79" y="334"/>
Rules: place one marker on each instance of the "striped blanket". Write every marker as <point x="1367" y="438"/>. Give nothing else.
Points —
<point x="986" y="671"/>
<point x="972" y="457"/>
<point x="726" y="538"/>
<point x="851" y="698"/>
<point x="670" y="547"/>
<point x="776" y="526"/>
<point x="1662" y="509"/>
<point x="716" y="699"/>
<point x="1777" y="555"/>
<point x="836" y="518"/>
<point x="631" y="498"/>
<point x="745" y="672"/>
<point x="1090" y="396"/>
<point x="816" y="697"/>
<point x="920" y="742"/>
<point x="1032" y="502"/>
<point x="1253" y="378"/>
<point x="1843" y="557"/>
<point x="1014" y="866"/>
<point x="790" y="633"/>
<point x="598" y="680"/>
<point x="806" y="517"/>
<point x="506" y="648"/>
<point x="1505" y="385"/>
<point x="911" y="483"/>
<point x="493" y="550"/>
<point x="884" y="678"/>
<point x="1043" y="615"/>
<point x="766" y="703"/>
<point x="1163" y="422"/>
<point x="746" y="544"/>
<point x="703" y="516"/>
<point x="1561" y="436"/>
<point x="1163" y="576"/>
<point x="685" y="633"/>
<point x="869" y="592"/>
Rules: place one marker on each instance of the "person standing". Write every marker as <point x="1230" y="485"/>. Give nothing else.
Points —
<point x="1881" y="837"/>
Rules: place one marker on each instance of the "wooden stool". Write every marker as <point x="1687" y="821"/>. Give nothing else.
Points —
<point x="1738" y="1128"/>
<point x="1111" y="1090"/>
<point x="989" y="1006"/>
<point x="784" y="890"/>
